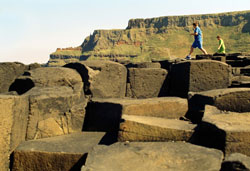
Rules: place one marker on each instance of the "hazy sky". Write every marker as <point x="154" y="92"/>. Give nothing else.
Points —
<point x="32" y="29"/>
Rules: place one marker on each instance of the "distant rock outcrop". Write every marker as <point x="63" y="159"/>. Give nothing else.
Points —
<point x="161" y="38"/>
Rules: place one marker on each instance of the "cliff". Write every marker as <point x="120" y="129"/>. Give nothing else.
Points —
<point x="163" y="37"/>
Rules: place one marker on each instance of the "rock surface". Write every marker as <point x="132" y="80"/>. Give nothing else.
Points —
<point x="230" y="99"/>
<point x="103" y="79"/>
<point x="236" y="161"/>
<point x="13" y="124"/>
<point x="9" y="71"/>
<point x="48" y="77"/>
<point x="164" y="107"/>
<point x="232" y="130"/>
<point x="145" y="82"/>
<point x="200" y="75"/>
<point x="66" y="152"/>
<point x="143" y="128"/>
<point x="54" y="111"/>
<point x="155" y="156"/>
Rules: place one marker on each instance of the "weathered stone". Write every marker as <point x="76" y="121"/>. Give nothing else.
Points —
<point x="146" y="82"/>
<point x="55" y="111"/>
<point x="236" y="161"/>
<point x="153" y="156"/>
<point x="164" y="107"/>
<point x="9" y="71"/>
<point x="144" y="65"/>
<point x="103" y="79"/>
<point x="200" y="75"/>
<point x="230" y="99"/>
<point x="67" y="152"/>
<point x="231" y="129"/>
<point x="48" y="77"/>
<point x="143" y="128"/>
<point x="13" y="124"/>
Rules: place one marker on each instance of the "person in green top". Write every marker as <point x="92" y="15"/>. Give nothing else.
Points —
<point x="221" y="48"/>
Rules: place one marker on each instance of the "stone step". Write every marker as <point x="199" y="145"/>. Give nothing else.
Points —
<point x="67" y="152"/>
<point x="229" y="129"/>
<point x="236" y="161"/>
<point x="198" y="75"/>
<point x="144" y="128"/>
<point x="105" y="114"/>
<point x="155" y="156"/>
<point x="230" y="99"/>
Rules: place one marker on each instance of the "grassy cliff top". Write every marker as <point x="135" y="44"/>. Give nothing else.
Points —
<point x="164" y="37"/>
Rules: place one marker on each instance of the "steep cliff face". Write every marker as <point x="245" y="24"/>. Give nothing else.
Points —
<point x="164" y="37"/>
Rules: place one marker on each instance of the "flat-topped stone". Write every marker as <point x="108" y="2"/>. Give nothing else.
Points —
<point x="54" y="111"/>
<point x="102" y="79"/>
<point x="236" y="161"/>
<point x="146" y="82"/>
<point x="198" y="75"/>
<point x="143" y="128"/>
<point x="230" y="99"/>
<point x="155" y="156"/>
<point x="47" y="77"/>
<point x="232" y="130"/>
<point x="57" y="153"/>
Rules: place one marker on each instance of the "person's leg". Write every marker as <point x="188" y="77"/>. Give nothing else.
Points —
<point x="203" y="50"/>
<point x="191" y="51"/>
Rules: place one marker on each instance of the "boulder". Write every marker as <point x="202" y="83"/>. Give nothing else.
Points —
<point x="198" y="75"/>
<point x="67" y="152"/>
<point x="48" y="77"/>
<point x="144" y="128"/>
<point x="103" y="79"/>
<point x="230" y="99"/>
<point x="224" y="130"/>
<point x="13" y="124"/>
<point x="146" y="82"/>
<point x="153" y="156"/>
<point x="236" y="161"/>
<point x="9" y="71"/>
<point x="144" y="65"/>
<point x="105" y="114"/>
<point x="54" y="111"/>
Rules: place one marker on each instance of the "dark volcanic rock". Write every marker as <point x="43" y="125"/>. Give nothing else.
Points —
<point x="236" y="161"/>
<point x="54" y="111"/>
<point x="66" y="152"/>
<point x="200" y="75"/>
<point x="13" y="124"/>
<point x="145" y="82"/>
<point x="48" y="77"/>
<point x="9" y="71"/>
<point x="103" y="79"/>
<point x="153" y="156"/>
<point x="144" y="128"/>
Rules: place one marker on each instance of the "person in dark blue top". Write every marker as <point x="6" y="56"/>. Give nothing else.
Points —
<point x="197" y="40"/>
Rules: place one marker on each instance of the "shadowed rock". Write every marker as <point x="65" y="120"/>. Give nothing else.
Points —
<point x="66" y="152"/>
<point x="103" y="79"/>
<point x="48" y="77"/>
<point x="143" y="128"/>
<point x="236" y="161"/>
<point x="13" y="124"/>
<point x="153" y="156"/>
<point x="164" y="107"/>
<point x="235" y="127"/>
<point x="200" y="75"/>
<point x="145" y="82"/>
<point x="9" y="71"/>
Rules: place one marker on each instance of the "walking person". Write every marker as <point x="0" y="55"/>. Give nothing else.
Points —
<point x="221" y="48"/>
<point x="197" y="40"/>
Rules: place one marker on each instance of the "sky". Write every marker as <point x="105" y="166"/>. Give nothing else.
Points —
<point x="30" y="30"/>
